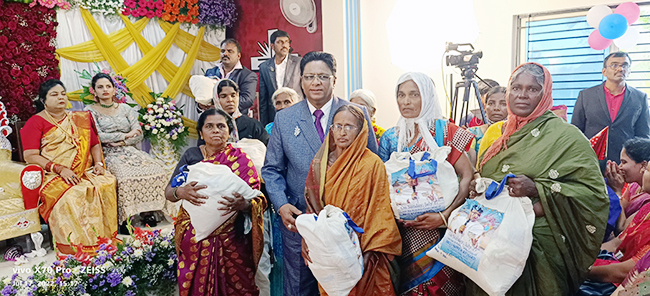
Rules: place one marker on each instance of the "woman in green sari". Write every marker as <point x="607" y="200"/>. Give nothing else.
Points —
<point x="557" y="168"/>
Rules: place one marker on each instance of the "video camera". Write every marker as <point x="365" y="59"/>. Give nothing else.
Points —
<point x="467" y="58"/>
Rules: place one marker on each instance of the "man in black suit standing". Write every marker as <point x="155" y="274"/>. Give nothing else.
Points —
<point x="282" y="70"/>
<point x="230" y="67"/>
<point x="615" y="104"/>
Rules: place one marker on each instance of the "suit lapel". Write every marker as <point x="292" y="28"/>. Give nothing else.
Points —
<point x="336" y="103"/>
<point x="603" y="100"/>
<point x="288" y="71"/>
<point x="307" y="127"/>
<point x="626" y="101"/>
<point x="272" y="73"/>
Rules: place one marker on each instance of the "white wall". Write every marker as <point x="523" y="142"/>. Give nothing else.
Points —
<point x="495" y="22"/>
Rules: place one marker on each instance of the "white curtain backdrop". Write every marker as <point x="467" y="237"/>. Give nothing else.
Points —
<point x="72" y="30"/>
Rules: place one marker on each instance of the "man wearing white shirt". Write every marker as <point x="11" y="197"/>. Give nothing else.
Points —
<point x="282" y="70"/>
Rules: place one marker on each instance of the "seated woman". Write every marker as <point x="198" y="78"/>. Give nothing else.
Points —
<point x="496" y="110"/>
<point x="562" y="180"/>
<point x="226" y="94"/>
<point x="367" y="99"/>
<point x="141" y="179"/>
<point x="633" y="243"/>
<point x="635" y="156"/>
<point x="283" y="97"/>
<point x="227" y="259"/>
<point x="355" y="181"/>
<point x="421" y="126"/>
<point x="78" y="196"/>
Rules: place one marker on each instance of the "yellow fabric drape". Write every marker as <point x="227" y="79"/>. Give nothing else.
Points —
<point x="108" y="48"/>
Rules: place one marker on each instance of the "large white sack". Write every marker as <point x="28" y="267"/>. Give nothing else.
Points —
<point x="255" y="150"/>
<point x="221" y="181"/>
<point x="489" y="240"/>
<point x="337" y="262"/>
<point x="432" y="193"/>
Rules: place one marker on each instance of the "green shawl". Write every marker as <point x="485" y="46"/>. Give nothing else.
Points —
<point x="572" y="192"/>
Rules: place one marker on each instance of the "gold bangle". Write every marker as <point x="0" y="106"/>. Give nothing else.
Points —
<point x="444" y="219"/>
<point x="174" y="194"/>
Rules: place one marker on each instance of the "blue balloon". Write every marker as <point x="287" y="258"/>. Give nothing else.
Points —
<point x="612" y="26"/>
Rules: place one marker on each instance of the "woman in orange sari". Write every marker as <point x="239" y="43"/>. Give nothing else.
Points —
<point x="346" y="174"/>
<point x="78" y="198"/>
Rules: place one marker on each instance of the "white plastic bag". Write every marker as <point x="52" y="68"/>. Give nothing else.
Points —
<point x="255" y="150"/>
<point x="337" y="262"/>
<point x="221" y="181"/>
<point x="421" y="183"/>
<point x="489" y="240"/>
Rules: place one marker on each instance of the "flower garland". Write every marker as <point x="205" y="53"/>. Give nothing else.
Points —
<point x="144" y="264"/>
<point x="217" y="12"/>
<point x="161" y="120"/>
<point x="143" y="8"/>
<point x="184" y="11"/>
<point x="27" y="45"/>
<point x="101" y="6"/>
<point x="52" y="3"/>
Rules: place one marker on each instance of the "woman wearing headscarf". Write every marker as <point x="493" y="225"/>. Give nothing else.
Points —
<point x="346" y="174"/>
<point x="421" y="126"/>
<point x="558" y="170"/>
<point x="226" y="97"/>
<point x="367" y="99"/>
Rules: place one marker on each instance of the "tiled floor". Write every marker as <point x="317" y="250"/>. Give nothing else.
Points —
<point x="8" y="268"/>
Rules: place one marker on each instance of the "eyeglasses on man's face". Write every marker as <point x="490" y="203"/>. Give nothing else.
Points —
<point x="321" y="77"/>
<point x="614" y="66"/>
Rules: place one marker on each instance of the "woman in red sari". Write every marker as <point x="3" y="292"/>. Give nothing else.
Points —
<point x="78" y="198"/>
<point x="422" y="126"/>
<point x="225" y="262"/>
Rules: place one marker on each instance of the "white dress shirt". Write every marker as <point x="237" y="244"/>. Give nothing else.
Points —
<point x="327" y="108"/>
<point x="280" y="70"/>
<point x="227" y="75"/>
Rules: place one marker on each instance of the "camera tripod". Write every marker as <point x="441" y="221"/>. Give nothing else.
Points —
<point x="468" y="73"/>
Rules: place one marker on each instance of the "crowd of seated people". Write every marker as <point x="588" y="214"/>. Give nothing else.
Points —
<point x="325" y="150"/>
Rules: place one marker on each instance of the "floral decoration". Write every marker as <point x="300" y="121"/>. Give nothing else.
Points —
<point x="217" y="12"/>
<point x="102" y="6"/>
<point x="162" y="120"/>
<point x="144" y="264"/>
<point x="51" y="3"/>
<point x="27" y="45"/>
<point x="143" y="8"/>
<point x="184" y="11"/>
<point x="122" y="91"/>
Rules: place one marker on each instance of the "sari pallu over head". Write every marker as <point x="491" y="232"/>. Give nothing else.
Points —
<point x="571" y="190"/>
<point x="357" y="183"/>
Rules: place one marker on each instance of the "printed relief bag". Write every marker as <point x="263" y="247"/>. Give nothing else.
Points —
<point x="421" y="183"/>
<point x="337" y="262"/>
<point x="489" y="237"/>
<point x="221" y="181"/>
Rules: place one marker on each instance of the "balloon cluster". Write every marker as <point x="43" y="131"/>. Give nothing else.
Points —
<point x="5" y="130"/>
<point x="614" y="26"/>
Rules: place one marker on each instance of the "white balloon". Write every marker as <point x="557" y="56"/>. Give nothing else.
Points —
<point x="596" y="14"/>
<point x="629" y="39"/>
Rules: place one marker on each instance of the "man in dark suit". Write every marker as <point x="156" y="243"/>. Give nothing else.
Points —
<point x="283" y="70"/>
<point x="298" y="133"/>
<point x="615" y="104"/>
<point x="230" y="67"/>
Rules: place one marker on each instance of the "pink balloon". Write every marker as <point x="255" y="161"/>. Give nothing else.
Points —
<point x="630" y="11"/>
<point x="598" y="42"/>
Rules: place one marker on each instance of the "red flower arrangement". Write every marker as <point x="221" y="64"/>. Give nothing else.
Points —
<point x="184" y="11"/>
<point x="27" y="46"/>
<point x="143" y="8"/>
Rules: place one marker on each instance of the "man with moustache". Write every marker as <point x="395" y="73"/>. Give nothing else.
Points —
<point x="281" y="71"/>
<point x="230" y="67"/>
<point x="615" y="104"/>
<point x="298" y="132"/>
